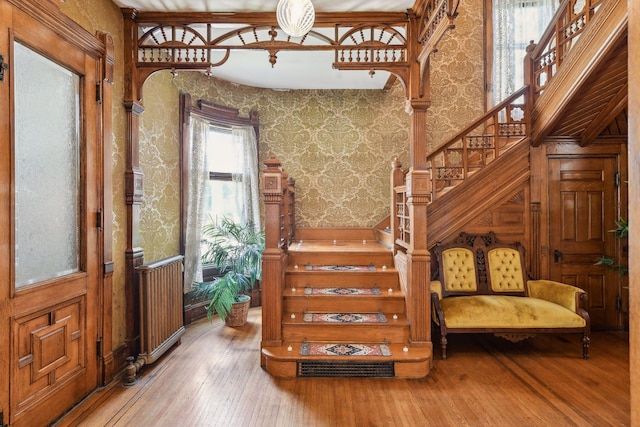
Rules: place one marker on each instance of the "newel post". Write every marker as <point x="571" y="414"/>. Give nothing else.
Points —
<point x="273" y="258"/>
<point x="530" y="74"/>
<point x="418" y="259"/>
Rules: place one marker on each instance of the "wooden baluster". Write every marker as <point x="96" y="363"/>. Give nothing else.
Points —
<point x="397" y="179"/>
<point x="291" y="192"/>
<point x="284" y="215"/>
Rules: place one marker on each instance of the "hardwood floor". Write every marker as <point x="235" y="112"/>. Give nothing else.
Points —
<point x="214" y="379"/>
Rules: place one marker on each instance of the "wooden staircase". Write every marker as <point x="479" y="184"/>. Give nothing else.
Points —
<point x="482" y="168"/>
<point x="344" y="274"/>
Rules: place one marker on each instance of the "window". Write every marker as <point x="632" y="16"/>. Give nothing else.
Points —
<point x="219" y="174"/>
<point x="514" y="24"/>
<point x="223" y="194"/>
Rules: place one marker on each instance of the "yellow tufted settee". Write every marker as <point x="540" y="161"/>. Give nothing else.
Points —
<point x="480" y="285"/>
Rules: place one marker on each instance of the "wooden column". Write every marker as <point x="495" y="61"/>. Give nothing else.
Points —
<point x="634" y="210"/>
<point x="273" y="258"/>
<point x="418" y="182"/>
<point x="133" y="184"/>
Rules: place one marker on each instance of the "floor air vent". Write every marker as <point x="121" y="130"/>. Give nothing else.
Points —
<point x="345" y="369"/>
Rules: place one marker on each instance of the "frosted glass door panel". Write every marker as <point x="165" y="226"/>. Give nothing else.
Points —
<point x="47" y="165"/>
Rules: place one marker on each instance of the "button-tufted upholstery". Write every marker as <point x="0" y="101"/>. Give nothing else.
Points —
<point x="505" y="270"/>
<point x="481" y="285"/>
<point x="459" y="270"/>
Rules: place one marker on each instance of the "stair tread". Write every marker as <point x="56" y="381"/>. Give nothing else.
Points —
<point x="282" y="353"/>
<point x="400" y="320"/>
<point x="300" y="269"/>
<point x="350" y="246"/>
<point x="384" y="293"/>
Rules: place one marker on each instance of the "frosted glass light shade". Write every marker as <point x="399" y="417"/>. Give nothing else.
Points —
<point x="295" y="17"/>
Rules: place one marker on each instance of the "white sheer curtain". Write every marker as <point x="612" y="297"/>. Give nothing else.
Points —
<point x="196" y="188"/>
<point x="245" y="137"/>
<point x="515" y="24"/>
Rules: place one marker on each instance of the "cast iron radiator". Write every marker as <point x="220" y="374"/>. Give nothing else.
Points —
<point x="161" y="321"/>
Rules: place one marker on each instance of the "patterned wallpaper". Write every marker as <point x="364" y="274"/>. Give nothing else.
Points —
<point x="337" y="144"/>
<point x="160" y="164"/>
<point x="457" y="76"/>
<point x="105" y="16"/>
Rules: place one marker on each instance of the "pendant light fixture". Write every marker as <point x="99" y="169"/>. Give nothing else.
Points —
<point x="295" y="17"/>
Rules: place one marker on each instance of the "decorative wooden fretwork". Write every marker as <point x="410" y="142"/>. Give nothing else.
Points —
<point x="201" y="41"/>
<point x="360" y="41"/>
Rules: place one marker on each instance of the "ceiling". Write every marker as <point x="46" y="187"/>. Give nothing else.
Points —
<point x="293" y="70"/>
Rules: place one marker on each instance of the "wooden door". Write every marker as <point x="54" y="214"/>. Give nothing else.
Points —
<point x="583" y="204"/>
<point x="49" y="224"/>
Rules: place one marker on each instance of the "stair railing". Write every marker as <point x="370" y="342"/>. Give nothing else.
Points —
<point x="437" y="17"/>
<point x="400" y="220"/>
<point x="547" y="55"/>
<point x="480" y="143"/>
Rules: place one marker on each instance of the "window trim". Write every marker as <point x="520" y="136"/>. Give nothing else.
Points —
<point x="216" y="115"/>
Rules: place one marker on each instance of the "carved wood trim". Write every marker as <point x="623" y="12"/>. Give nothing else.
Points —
<point x="105" y="164"/>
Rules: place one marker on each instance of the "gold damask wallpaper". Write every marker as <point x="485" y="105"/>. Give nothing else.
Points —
<point x="160" y="164"/>
<point x="337" y="144"/>
<point x="457" y="76"/>
<point x="105" y="16"/>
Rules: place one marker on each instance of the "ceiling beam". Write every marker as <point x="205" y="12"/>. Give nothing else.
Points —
<point x="323" y="19"/>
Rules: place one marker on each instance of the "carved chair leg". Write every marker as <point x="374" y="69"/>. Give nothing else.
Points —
<point x="585" y="346"/>
<point x="443" y="344"/>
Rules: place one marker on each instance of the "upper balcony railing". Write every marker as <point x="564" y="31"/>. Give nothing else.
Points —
<point x="547" y="55"/>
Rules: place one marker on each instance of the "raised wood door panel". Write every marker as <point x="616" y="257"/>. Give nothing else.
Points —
<point x="51" y="321"/>
<point x="583" y="202"/>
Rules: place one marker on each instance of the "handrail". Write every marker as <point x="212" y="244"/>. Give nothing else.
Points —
<point x="479" y="143"/>
<point x="433" y="13"/>
<point x="565" y="28"/>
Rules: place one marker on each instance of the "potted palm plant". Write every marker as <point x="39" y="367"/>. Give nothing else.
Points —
<point x="235" y="250"/>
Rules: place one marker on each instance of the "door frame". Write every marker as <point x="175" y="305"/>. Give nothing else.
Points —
<point x="101" y="48"/>
<point x="566" y="147"/>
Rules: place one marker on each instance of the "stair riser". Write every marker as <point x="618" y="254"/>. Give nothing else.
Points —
<point x="338" y="258"/>
<point x="353" y="304"/>
<point x="301" y="278"/>
<point x="346" y="333"/>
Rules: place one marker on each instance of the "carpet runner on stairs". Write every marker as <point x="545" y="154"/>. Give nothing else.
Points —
<point x="345" y="317"/>
<point x="344" y="349"/>
<point x="310" y="267"/>
<point x="341" y="291"/>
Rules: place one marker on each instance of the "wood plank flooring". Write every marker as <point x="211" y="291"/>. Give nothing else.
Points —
<point x="214" y="379"/>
